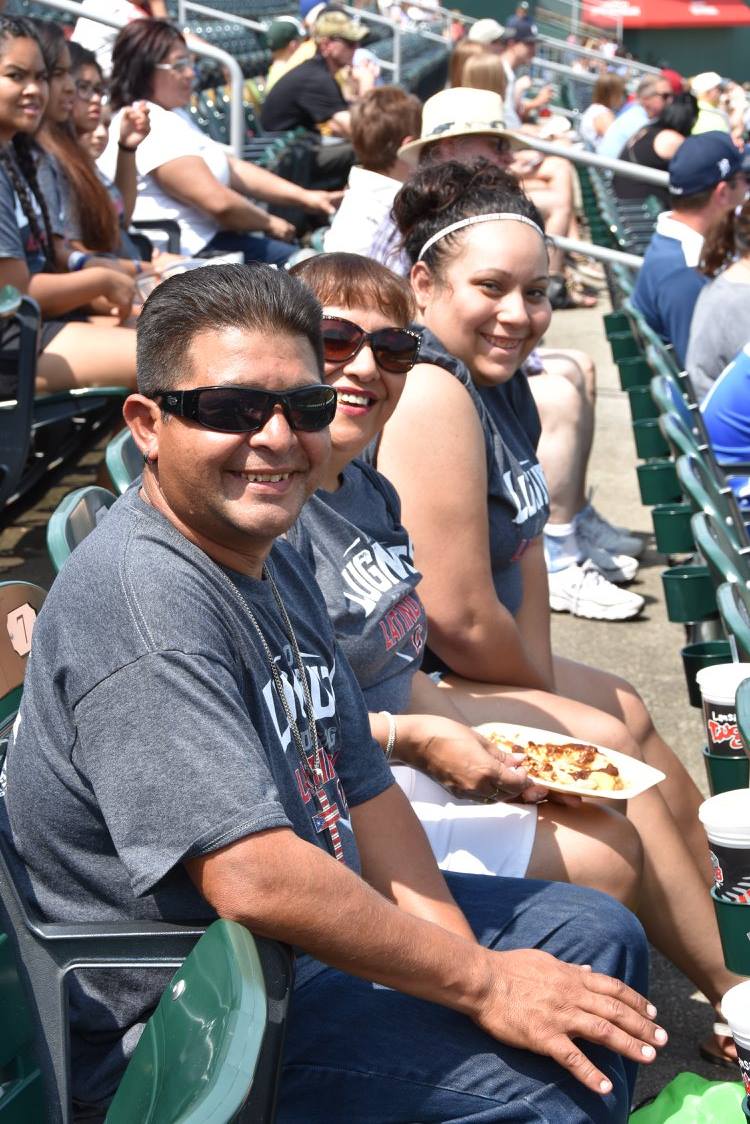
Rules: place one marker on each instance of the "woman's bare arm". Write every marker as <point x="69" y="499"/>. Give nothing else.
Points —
<point x="433" y="451"/>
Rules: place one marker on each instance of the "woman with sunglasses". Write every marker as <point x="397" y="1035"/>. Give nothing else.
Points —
<point x="182" y="173"/>
<point x="351" y="533"/>
<point x="460" y="451"/>
<point x="35" y="261"/>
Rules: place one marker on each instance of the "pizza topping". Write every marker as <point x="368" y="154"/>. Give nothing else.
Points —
<point x="569" y="763"/>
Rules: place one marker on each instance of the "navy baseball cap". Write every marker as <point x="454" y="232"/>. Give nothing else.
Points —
<point x="703" y="161"/>
<point x="520" y="29"/>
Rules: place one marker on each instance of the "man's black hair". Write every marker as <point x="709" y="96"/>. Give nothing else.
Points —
<point x="255" y="298"/>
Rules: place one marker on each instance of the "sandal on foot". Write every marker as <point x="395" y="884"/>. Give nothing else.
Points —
<point x="713" y="1050"/>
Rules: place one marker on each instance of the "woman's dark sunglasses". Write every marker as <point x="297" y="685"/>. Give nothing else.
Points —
<point x="242" y="409"/>
<point x="395" y="349"/>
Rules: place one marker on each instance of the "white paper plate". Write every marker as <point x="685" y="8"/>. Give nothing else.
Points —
<point x="636" y="775"/>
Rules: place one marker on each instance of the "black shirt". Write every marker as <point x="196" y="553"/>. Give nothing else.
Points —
<point x="305" y="96"/>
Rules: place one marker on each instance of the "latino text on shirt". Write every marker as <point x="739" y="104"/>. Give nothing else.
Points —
<point x="363" y="562"/>
<point x="304" y="97"/>
<point x="173" y="135"/>
<point x="150" y="732"/>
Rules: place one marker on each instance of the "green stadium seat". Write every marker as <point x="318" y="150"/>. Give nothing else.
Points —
<point x="73" y="519"/>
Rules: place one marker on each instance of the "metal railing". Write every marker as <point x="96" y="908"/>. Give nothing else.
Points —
<point x="594" y="160"/>
<point x="394" y="66"/>
<point x="599" y="253"/>
<point x="204" y="50"/>
<point x="185" y="6"/>
<point x="548" y="42"/>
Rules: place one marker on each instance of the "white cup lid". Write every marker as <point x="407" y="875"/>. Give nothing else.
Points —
<point x="727" y="814"/>
<point x="735" y="1007"/>
<point x="719" y="682"/>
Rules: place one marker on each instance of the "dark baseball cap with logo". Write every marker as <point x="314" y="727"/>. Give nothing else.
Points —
<point x="703" y="161"/>
<point x="520" y="29"/>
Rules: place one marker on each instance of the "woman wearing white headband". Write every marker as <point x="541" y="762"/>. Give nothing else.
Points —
<point x="460" y="451"/>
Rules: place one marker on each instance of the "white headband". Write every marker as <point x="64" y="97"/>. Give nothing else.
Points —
<point x="498" y="216"/>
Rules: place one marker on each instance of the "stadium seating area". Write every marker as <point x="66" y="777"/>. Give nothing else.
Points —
<point x="698" y="526"/>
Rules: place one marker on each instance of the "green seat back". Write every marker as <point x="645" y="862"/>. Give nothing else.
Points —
<point x="726" y="562"/>
<point x="196" y="1058"/>
<point x="124" y="462"/>
<point x="73" y="519"/>
<point x="679" y="437"/>
<point x="733" y="600"/>
<point x="706" y="493"/>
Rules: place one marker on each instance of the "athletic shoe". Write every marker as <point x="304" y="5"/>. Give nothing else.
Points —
<point x="617" y="568"/>
<point x="583" y="591"/>
<point x="592" y="529"/>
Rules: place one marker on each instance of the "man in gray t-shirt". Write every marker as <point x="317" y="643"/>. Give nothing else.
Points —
<point x="191" y="742"/>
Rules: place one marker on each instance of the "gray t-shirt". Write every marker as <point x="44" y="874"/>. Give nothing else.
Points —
<point x="719" y="330"/>
<point x="362" y="558"/>
<point x="150" y="732"/>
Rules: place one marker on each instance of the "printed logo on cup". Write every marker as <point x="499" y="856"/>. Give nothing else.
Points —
<point x="731" y="870"/>
<point x="721" y="729"/>
<point x="743" y="1057"/>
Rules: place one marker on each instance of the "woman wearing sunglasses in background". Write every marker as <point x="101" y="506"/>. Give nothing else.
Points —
<point x="350" y="531"/>
<point x="460" y="449"/>
<point x="182" y="173"/>
<point x="33" y="260"/>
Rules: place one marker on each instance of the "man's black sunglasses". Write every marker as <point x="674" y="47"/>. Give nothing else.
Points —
<point x="243" y="409"/>
<point x="394" y="349"/>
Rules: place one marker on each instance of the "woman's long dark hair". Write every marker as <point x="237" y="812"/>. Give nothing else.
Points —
<point x="726" y="241"/>
<point x="17" y="158"/>
<point x="680" y="113"/>
<point x="137" y="50"/>
<point x="96" y="213"/>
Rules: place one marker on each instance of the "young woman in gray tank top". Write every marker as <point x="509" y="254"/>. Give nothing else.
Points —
<point x="479" y="276"/>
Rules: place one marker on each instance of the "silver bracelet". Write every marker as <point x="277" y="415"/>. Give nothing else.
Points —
<point x="390" y="745"/>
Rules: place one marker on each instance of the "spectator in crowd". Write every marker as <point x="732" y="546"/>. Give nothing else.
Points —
<point x="459" y="124"/>
<point x="308" y="96"/>
<point x="182" y="173"/>
<point x="479" y="289"/>
<point x="654" y="91"/>
<point x="99" y="37"/>
<point x="706" y="181"/>
<point x="711" y="117"/>
<point x="211" y="595"/>
<point x="720" y="326"/>
<point x="726" y="414"/>
<point x="607" y="100"/>
<point x="484" y="72"/>
<point x="283" y="37"/>
<point x="462" y="124"/>
<point x="382" y="121"/>
<point x="654" y="146"/>
<point x="372" y="592"/>
<point x="519" y="48"/>
<point x="464" y="50"/>
<point x="488" y="33"/>
<point x="32" y="259"/>
<point x="75" y="192"/>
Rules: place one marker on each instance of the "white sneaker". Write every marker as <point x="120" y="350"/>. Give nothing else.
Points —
<point x="617" y="568"/>
<point x="583" y="591"/>
<point x="592" y="529"/>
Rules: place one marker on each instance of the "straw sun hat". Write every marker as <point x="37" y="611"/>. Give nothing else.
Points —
<point x="461" y="112"/>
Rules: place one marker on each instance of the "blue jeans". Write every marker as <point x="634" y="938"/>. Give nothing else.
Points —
<point x="359" y="1053"/>
<point x="255" y="247"/>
